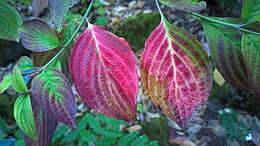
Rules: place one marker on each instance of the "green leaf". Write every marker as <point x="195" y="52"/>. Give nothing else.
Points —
<point x="141" y="140"/>
<point x="106" y="141"/>
<point x="2" y="136"/>
<point x="251" y="52"/>
<point x="20" y="143"/>
<point x="101" y="20"/>
<point x="4" y="126"/>
<point x="26" y="1"/>
<point x="189" y="5"/>
<point x="87" y="136"/>
<point x="70" y="137"/>
<point x="10" y="20"/>
<point x="24" y="116"/>
<point x="108" y="132"/>
<point x="36" y="35"/>
<point x="127" y="139"/>
<point x="251" y="11"/>
<point x="153" y="143"/>
<point x="24" y="63"/>
<point x="83" y="123"/>
<point x="17" y="81"/>
<point x="97" y="3"/>
<point x="101" y="11"/>
<point x="93" y="123"/>
<point x="60" y="132"/>
<point x="225" y="47"/>
<point x="5" y="83"/>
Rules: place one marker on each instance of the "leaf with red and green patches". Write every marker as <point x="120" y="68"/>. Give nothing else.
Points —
<point x="175" y="72"/>
<point x="251" y="52"/>
<point x="189" y="5"/>
<point x="58" y="9"/>
<point x="45" y="127"/>
<point x="36" y="35"/>
<point x="104" y="71"/>
<point x="38" y="6"/>
<point x="54" y="95"/>
<point x="225" y="47"/>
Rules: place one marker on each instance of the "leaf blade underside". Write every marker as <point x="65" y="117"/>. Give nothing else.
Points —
<point x="175" y="72"/>
<point x="104" y="72"/>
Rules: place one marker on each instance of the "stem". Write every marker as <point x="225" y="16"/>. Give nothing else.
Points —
<point x="158" y="7"/>
<point x="71" y="38"/>
<point x="236" y="26"/>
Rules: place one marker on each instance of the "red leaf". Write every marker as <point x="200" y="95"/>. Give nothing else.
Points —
<point x="104" y="72"/>
<point x="175" y="72"/>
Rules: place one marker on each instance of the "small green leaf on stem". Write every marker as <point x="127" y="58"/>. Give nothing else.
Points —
<point x="24" y="117"/>
<point x="18" y="82"/>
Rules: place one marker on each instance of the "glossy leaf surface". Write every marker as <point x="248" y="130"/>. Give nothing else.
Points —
<point x="225" y="47"/>
<point x="104" y="72"/>
<point x="54" y="95"/>
<point x="37" y="36"/>
<point x="10" y="20"/>
<point x="17" y="81"/>
<point x="45" y="127"/>
<point x="251" y="11"/>
<point x="251" y="52"/>
<point x="24" y="116"/>
<point x="38" y="6"/>
<point x="175" y="72"/>
<point x="189" y="5"/>
<point x="58" y="9"/>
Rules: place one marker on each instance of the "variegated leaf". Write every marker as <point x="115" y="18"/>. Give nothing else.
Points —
<point x="175" y="72"/>
<point x="36" y="35"/>
<point x="54" y="95"/>
<point x="251" y="52"/>
<point x="225" y="47"/>
<point x="104" y="72"/>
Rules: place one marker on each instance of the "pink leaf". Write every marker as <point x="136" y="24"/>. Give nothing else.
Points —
<point x="104" y="72"/>
<point x="175" y="72"/>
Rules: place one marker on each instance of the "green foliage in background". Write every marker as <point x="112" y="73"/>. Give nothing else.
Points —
<point x="99" y="130"/>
